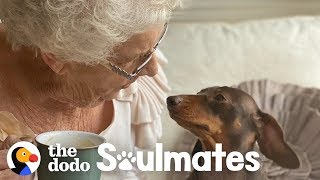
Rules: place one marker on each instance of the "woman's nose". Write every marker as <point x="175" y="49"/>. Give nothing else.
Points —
<point x="151" y="69"/>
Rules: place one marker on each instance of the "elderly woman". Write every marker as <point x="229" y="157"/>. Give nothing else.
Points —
<point x="89" y="65"/>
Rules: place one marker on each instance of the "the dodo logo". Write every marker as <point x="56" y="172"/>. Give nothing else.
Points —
<point x="23" y="158"/>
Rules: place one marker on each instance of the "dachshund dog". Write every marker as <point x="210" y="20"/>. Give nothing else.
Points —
<point x="231" y="117"/>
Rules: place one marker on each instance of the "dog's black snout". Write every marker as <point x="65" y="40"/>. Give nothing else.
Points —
<point x="174" y="100"/>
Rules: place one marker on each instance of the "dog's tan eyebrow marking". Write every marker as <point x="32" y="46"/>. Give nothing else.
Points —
<point x="237" y="124"/>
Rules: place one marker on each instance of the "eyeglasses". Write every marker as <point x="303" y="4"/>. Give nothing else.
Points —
<point x="129" y="76"/>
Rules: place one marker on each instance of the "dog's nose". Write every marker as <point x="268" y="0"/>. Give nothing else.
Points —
<point x="174" y="100"/>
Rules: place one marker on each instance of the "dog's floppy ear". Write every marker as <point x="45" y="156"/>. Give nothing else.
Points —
<point x="271" y="141"/>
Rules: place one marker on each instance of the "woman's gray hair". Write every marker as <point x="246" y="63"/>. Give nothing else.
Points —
<point x="83" y="31"/>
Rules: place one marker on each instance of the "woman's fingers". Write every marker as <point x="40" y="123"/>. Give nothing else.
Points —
<point x="10" y="175"/>
<point x="12" y="139"/>
<point x="5" y="145"/>
<point x="3" y="160"/>
<point x="5" y="171"/>
<point x="9" y="141"/>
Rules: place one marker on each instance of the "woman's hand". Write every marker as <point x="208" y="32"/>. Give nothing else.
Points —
<point x="5" y="171"/>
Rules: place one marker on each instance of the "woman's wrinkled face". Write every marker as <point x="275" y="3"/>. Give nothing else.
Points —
<point x="95" y="84"/>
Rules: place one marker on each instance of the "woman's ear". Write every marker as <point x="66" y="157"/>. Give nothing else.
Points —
<point x="54" y="64"/>
<point x="271" y="141"/>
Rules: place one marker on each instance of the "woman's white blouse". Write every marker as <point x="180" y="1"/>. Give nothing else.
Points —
<point x="136" y="123"/>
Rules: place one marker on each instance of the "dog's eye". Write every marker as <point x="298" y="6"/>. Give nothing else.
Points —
<point x="220" y="98"/>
